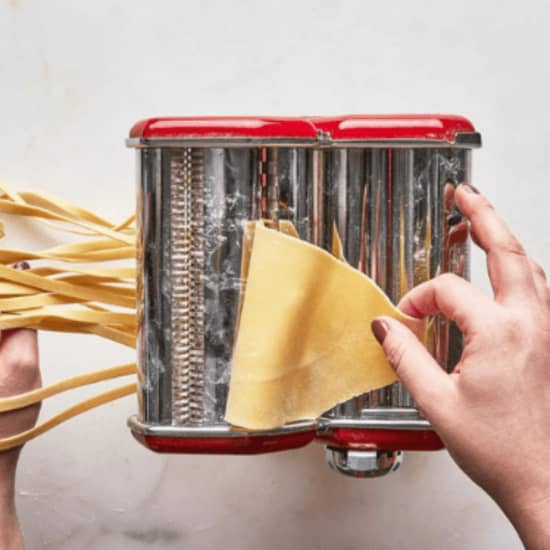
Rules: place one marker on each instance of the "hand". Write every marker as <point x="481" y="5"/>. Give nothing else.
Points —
<point x="493" y="411"/>
<point x="19" y="373"/>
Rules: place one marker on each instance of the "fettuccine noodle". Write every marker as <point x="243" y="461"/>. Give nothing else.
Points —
<point x="96" y="300"/>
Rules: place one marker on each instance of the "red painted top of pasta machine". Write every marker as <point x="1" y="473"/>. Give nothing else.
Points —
<point x="224" y="127"/>
<point x="443" y="128"/>
<point x="394" y="127"/>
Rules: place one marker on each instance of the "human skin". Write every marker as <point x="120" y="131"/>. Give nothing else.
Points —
<point x="493" y="411"/>
<point x="19" y="373"/>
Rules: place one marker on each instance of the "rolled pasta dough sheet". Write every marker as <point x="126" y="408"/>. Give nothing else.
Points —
<point x="304" y="343"/>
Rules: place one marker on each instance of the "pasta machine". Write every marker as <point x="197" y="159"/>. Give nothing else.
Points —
<point x="385" y="182"/>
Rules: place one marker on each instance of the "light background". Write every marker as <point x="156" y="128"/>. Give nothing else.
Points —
<point x="75" y="75"/>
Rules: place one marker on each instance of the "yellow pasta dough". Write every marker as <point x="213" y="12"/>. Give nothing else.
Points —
<point x="304" y="342"/>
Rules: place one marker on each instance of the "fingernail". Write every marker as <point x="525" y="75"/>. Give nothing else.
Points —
<point x="469" y="188"/>
<point x="22" y="265"/>
<point x="380" y="329"/>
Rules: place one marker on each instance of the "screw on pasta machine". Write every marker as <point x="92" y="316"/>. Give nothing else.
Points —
<point x="364" y="464"/>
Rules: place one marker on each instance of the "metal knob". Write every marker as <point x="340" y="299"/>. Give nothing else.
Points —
<point x="363" y="463"/>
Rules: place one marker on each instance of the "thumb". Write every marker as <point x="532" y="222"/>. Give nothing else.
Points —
<point x="425" y="380"/>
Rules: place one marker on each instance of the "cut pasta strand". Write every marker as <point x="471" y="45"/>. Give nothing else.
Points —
<point x="86" y="405"/>
<point x="64" y="297"/>
<point x="8" y="207"/>
<point x="30" y="398"/>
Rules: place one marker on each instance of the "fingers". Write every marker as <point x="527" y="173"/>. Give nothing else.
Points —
<point x="22" y="343"/>
<point x="19" y="368"/>
<point x="19" y="354"/>
<point x="452" y="296"/>
<point x="539" y="278"/>
<point x="509" y="268"/>
<point x="427" y="383"/>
